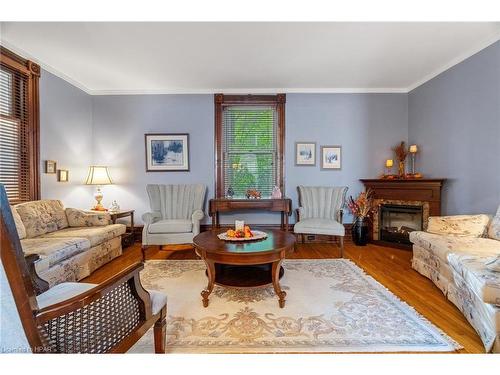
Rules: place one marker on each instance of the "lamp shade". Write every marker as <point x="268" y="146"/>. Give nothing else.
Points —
<point x="98" y="175"/>
<point x="413" y="149"/>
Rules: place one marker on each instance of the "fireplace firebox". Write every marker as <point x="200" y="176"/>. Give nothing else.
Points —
<point x="396" y="222"/>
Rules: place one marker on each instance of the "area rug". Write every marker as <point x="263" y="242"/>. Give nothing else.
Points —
<point x="331" y="306"/>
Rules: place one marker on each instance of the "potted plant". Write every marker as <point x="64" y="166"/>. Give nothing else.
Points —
<point x="361" y="207"/>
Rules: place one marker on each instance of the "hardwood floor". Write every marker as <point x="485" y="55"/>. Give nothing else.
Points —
<point x="391" y="267"/>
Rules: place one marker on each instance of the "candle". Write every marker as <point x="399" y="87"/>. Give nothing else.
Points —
<point x="389" y="163"/>
<point x="413" y="149"/>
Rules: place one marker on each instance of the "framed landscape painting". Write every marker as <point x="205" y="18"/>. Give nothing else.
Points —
<point x="331" y="157"/>
<point x="305" y="153"/>
<point x="167" y="152"/>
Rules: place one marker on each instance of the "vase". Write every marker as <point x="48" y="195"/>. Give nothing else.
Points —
<point x="359" y="231"/>
<point x="401" y="169"/>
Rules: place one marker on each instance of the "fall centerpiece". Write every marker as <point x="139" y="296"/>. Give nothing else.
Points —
<point x="401" y="153"/>
<point x="361" y="207"/>
<point x="241" y="233"/>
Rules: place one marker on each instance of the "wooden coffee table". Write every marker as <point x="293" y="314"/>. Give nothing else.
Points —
<point x="246" y="264"/>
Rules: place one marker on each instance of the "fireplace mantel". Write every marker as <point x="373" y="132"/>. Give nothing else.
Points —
<point x="424" y="189"/>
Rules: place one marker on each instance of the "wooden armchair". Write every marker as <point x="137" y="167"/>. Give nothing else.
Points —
<point x="78" y="317"/>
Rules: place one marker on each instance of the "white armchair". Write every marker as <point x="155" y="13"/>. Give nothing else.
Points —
<point x="176" y="212"/>
<point x="320" y="212"/>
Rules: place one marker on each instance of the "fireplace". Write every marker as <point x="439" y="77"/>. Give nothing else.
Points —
<point x="397" y="221"/>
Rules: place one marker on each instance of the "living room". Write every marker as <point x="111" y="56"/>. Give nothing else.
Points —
<point x="164" y="193"/>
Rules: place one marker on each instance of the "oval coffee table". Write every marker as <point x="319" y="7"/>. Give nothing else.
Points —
<point x="245" y="264"/>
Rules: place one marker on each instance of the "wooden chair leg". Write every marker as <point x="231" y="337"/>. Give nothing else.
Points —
<point x="143" y="251"/>
<point x="160" y="331"/>
<point x="341" y="239"/>
<point x="303" y="238"/>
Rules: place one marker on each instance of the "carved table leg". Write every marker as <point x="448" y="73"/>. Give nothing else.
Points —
<point x="276" y="283"/>
<point x="211" y="281"/>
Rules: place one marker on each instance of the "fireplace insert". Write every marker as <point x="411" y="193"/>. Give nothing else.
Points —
<point x="398" y="221"/>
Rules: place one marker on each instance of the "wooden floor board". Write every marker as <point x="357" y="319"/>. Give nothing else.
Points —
<point x="391" y="267"/>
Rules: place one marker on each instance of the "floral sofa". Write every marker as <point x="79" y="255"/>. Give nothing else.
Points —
<point x="71" y="243"/>
<point x="461" y="255"/>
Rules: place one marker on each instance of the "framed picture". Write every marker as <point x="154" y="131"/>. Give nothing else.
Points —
<point x="167" y="152"/>
<point x="50" y="166"/>
<point x="62" y="175"/>
<point x="305" y="153"/>
<point x="331" y="157"/>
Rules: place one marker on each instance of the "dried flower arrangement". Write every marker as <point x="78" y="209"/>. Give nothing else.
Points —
<point x="401" y="153"/>
<point x="362" y="206"/>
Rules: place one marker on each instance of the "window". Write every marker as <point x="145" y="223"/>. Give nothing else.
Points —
<point x="249" y="143"/>
<point x="19" y="127"/>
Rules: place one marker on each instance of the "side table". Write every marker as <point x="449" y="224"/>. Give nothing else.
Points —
<point x="128" y="238"/>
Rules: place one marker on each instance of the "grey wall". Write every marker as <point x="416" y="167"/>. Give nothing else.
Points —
<point x="66" y="137"/>
<point x="366" y="125"/>
<point x="454" y="118"/>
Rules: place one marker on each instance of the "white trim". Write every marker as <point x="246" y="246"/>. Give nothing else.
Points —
<point x="334" y="90"/>
<point x="249" y="90"/>
<point x="454" y="62"/>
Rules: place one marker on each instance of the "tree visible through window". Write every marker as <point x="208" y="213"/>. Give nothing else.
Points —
<point x="250" y="137"/>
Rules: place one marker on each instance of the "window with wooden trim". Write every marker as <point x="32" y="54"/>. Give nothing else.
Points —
<point x="249" y="139"/>
<point x="19" y="127"/>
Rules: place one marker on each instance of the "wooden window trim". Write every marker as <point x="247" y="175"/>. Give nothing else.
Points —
<point x="32" y="71"/>
<point x="221" y="100"/>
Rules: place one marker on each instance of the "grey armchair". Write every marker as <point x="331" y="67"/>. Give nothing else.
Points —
<point x="176" y="212"/>
<point x="320" y="212"/>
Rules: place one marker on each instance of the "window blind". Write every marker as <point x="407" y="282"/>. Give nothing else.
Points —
<point x="14" y="135"/>
<point x="250" y="149"/>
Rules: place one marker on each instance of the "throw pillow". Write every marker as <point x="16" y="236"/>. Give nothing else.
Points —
<point x="494" y="229"/>
<point x="459" y="225"/>
<point x="79" y="218"/>
<point x="21" y="230"/>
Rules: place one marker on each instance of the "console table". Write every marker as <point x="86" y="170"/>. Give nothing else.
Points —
<point x="283" y="205"/>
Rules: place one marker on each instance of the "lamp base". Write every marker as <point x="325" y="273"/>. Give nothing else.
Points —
<point x="98" y="197"/>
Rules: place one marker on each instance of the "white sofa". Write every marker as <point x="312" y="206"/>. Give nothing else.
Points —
<point x="71" y="243"/>
<point x="461" y="255"/>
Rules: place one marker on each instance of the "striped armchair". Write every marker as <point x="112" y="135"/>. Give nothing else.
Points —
<point x="320" y="212"/>
<point x="176" y="212"/>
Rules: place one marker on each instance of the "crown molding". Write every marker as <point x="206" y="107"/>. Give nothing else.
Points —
<point x="454" y="62"/>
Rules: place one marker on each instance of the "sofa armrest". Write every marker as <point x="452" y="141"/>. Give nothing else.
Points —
<point x="150" y="217"/>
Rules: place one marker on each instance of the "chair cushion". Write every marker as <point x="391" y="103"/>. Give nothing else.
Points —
<point x="494" y="228"/>
<point x="459" y="225"/>
<point x="21" y="230"/>
<point x="171" y="226"/>
<point x="54" y="250"/>
<point x="441" y="246"/>
<point x="319" y="226"/>
<point x="40" y="217"/>
<point x="65" y="291"/>
<point x="80" y="218"/>
<point x="484" y="282"/>
<point x="96" y="235"/>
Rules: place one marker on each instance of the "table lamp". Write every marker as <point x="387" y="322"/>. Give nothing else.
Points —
<point x="98" y="175"/>
<point x="413" y="150"/>
<point x="388" y="165"/>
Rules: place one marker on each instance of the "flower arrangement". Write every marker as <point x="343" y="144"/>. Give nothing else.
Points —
<point x="401" y="153"/>
<point x="362" y="206"/>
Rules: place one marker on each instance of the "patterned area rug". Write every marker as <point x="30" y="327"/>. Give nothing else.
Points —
<point x="331" y="306"/>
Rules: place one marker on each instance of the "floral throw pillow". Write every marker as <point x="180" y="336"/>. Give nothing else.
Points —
<point x="79" y="218"/>
<point x="494" y="229"/>
<point x="21" y="230"/>
<point x="459" y="225"/>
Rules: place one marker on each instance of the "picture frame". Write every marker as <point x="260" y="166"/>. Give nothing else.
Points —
<point x="305" y="154"/>
<point x="167" y="152"/>
<point x="62" y="175"/>
<point x="331" y="157"/>
<point x="50" y="167"/>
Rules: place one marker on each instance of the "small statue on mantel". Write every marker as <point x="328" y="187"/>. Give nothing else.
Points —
<point x="276" y="194"/>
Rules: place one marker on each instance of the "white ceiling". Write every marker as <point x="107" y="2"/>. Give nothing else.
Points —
<point x="129" y="58"/>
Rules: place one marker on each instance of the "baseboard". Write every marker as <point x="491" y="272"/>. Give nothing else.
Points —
<point x="308" y="239"/>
